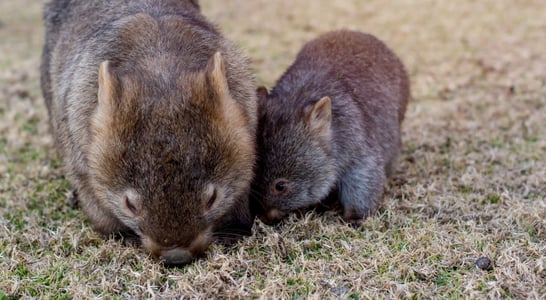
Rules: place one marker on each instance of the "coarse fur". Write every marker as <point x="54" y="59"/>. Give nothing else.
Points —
<point x="331" y="124"/>
<point x="154" y="117"/>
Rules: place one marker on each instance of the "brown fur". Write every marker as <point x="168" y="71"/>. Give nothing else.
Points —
<point x="154" y="116"/>
<point x="331" y="125"/>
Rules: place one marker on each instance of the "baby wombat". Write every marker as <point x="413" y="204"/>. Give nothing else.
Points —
<point x="331" y="125"/>
<point x="154" y="115"/>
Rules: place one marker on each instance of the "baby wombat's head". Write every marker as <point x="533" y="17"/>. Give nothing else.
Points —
<point x="170" y="155"/>
<point x="296" y="167"/>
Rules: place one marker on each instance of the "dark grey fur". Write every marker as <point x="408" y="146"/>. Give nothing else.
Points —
<point x="369" y="89"/>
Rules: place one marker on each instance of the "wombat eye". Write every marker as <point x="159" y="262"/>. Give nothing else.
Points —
<point x="212" y="199"/>
<point x="131" y="206"/>
<point x="281" y="187"/>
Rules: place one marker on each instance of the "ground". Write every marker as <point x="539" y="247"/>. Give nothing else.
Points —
<point x="471" y="179"/>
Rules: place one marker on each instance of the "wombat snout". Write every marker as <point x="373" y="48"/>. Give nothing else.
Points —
<point x="176" y="257"/>
<point x="177" y="253"/>
<point x="272" y="216"/>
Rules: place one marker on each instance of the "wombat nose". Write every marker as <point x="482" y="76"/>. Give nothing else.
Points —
<point x="176" y="257"/>
<point x="264" y="218"/>
<point x="272" y="217"/>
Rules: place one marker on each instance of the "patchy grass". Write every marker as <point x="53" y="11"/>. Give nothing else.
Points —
<point x="471" y="180"/>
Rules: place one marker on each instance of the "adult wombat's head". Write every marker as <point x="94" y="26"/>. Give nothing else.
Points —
<point x="169" y="157"/>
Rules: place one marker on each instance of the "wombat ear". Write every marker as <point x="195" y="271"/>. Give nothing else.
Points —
<point x="195" y="3"/>
<point x="262" y="93"/>
<point x="319" y="117"/>
<point x="107" y="84"/>
<point x="216" y="72"/>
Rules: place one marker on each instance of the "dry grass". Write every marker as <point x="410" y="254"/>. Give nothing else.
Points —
<point x="471" y="181"/>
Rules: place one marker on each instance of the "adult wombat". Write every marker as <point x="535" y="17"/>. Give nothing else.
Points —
<point x="154" y="117"/>
<point x="331" y="124"/>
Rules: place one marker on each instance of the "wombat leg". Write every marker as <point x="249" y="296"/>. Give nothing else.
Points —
<point x="102" y="219"/>
<point x="234" y="225"/>
<point x="390" y="167"/>
<point x="360" y="190"/>
<point x="128" y="238"/>
<point x="392" y="161"/>
<point x="72" y="198"/>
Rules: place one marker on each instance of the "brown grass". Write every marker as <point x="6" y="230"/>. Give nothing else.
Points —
<point x="471" y="180"/>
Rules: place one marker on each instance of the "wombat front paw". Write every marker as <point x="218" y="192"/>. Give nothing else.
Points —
<point x="352" y="218"/>
<point x="355" y="223"/>
<point x="72" y="199"/>
<point x="356" y="217"/>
